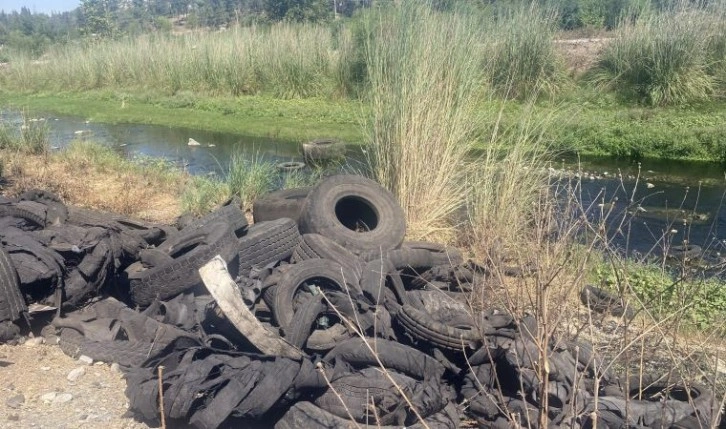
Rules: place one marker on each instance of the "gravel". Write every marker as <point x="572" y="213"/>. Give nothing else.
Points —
<point x="36" y="391"/>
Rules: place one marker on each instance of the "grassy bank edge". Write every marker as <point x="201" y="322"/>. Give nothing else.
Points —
<point x="287" y="120"/>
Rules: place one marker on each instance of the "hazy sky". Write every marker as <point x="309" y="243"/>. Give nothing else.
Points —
<point x="45" y="6"/>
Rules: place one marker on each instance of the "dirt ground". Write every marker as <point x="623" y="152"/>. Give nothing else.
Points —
<point x="580" y="54"/>
<point x="36" y="391"/>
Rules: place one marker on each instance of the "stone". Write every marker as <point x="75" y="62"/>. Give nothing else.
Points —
<point x="45" y="368"/>
<point x="33" y="342"/>
<point x="76" y="373"/>
<point x="62" y="398"/>
<point x="15" y="401"/>
<point x="116" y="367"/>
<point x="85" y="360"/>
<point x="13" y="418"/>
<point x="48" y="397"/>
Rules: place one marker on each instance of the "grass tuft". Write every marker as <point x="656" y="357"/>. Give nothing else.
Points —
<point x="250" y="177"/>
<point x="662" y="58"/>
<point x="520" y="58"/>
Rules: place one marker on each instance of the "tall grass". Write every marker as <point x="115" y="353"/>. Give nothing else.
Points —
<point x="519" y="56"/>
<point x="424" y="83"/>
<point x="509" y="188"/>
<point x="665" y="58"/>
<point x="250" y="177"/>
<point x="285" y="60"/>
<point x="32" y="136"/>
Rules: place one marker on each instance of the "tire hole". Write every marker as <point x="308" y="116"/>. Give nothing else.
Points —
<point x="356" y="214"/>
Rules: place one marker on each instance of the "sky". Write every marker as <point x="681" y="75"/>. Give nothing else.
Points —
<point x="43" y="6"/>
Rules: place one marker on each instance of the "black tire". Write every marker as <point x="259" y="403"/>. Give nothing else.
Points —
<point x="315" y="246"/>
<point x="303" y="320"/>
<point x="56" y="211"/>
<point x="340" y="207"/>
<point x="352" y="394"/>
<point x="229" y="213"/>
<point x="89" y="276"/>
<point x="267" y="243"/>
<point x="8" y="331"/>
<point x="423" y="327"/>
<point x="307" y="415"/>
<point x="599" y="300"/>
<point x="283" y="203"/>
<point x="327" y="275"/>
<point x="323" y="150"/>
<point x="12" y="303"/>
<point x="685" y="252"/>
<point x="190" y="250"/>
<point x="125" y="353"/>
<point x="377" y="276"/>
<point x="407" y="360"/>
<point x="33" y="213"/>
<point x="40" y="270"/>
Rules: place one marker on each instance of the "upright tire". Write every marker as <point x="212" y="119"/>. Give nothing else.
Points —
<point x="356" y="212"/>
<point x="266" y="243"/>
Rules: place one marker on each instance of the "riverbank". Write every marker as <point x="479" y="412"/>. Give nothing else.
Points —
<point x="288" y="120"/>
<point x="580" y="124"/>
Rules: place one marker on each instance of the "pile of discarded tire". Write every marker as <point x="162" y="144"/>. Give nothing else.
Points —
<point x="384" y="334"/>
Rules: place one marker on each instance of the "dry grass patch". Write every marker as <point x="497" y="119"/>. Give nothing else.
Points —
<point x="96" y="177"/>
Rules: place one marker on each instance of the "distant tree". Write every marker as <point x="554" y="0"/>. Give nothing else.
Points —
<point x="98" y="17"/>
<point x="298" y="10"/>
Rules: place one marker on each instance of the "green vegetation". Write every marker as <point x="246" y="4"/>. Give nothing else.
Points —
<point x="700" y="302"/>
<point x="250" y="177"/>
<point x="520" y="58"/>
<point x="256" y="116"/>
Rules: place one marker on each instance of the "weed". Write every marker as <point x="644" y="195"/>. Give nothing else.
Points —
<point x="250" y="177"/>
<point x="202" y="194"/>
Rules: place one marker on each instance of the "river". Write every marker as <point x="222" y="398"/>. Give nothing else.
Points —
<point x="655" y="197"/>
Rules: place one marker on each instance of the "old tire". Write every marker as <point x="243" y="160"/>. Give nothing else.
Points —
<point x="283" y="203"/>
<point x="356" y="212"/>
<point x="267" y="243"/>
<point x="602" y="301"/>
<point x="315" y="246"/>
<point x="229" y="213"/>
<point x="326" y="275"/>
<point x="423" y="327"/>
<point x="190" y="251"/>
<point x="323" y="150"/>
<point x="12" y="303"/>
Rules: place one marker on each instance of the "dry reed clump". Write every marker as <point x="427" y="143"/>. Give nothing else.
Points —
<point x="93" y="176"/>
<point x="424" y="84"/>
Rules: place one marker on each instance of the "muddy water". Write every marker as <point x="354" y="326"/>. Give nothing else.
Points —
<point x="650" y="204"/>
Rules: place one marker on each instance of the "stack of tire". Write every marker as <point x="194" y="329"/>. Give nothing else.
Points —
<point x="388" y="335"/>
